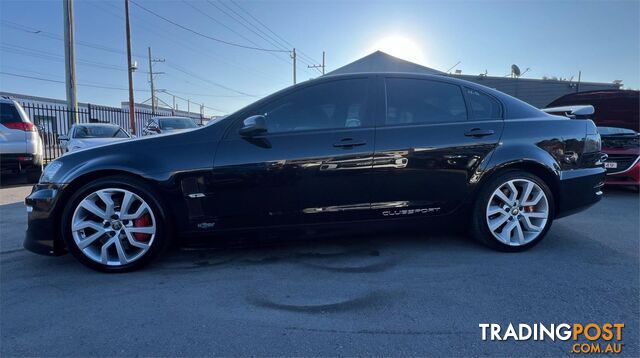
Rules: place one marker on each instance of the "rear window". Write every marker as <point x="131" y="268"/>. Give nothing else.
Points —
<point x="9" y="113"/>
<point x="416" y="101"/>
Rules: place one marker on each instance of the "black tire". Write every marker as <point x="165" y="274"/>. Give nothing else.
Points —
<point x="479" y="229"/>
<point x="162" y="237"/>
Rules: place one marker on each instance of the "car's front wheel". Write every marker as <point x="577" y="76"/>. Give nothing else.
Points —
<point x="513" y="211"/>
<point x="115" y="224"/>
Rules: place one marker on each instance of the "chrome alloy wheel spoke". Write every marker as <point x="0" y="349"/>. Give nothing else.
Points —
<point x="517" y="212"/>
<point x="113" y="226"/>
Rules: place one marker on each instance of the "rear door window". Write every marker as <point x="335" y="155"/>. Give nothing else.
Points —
<point x="417" y="101"/>
<point x="483" y="106"/>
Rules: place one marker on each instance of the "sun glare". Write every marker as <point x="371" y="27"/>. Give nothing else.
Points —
<point x="400" y="47"/>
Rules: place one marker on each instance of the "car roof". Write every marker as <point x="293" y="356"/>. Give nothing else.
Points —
<point x="6" y="100"/>
<point x="97" y="124"/>
<point x="171" y="117"/>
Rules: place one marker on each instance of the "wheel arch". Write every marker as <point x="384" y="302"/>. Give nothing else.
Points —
<point x="87" y="177"/>
<point x="537" y="168"/>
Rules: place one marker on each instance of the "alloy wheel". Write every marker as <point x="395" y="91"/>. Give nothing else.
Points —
<point x="517" y="212"/>
<point x="113" y="226"/>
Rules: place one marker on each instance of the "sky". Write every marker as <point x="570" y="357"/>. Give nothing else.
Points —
<point x="552" y="38"/>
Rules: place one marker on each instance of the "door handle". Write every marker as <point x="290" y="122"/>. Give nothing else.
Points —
<point x="477" y="132"/>
<point x="349" y="143"/>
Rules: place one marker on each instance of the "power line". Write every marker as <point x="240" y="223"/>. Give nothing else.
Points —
<point x="260" y="32"/>
<point x="243" y="24"/>
<point x="58" y="81"/>
<point x="249" y="26"/>
<point x="106" y="87"/>
<point x="287" y="43"/>
<point x="276" y="55"/>
<point x="166" y="35"/>
<point x="181" y="69"/>
<point x="45" y="55"/>
<point x="53" y="36"/>
<point x="186" y="99"/>
<point x="204" y="35"/>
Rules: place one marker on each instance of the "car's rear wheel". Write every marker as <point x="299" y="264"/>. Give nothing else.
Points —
<point x="115" y="224"/>
<point x="513" y="211"/>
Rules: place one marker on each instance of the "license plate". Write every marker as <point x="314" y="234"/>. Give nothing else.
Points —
<point x="611" y="165"/>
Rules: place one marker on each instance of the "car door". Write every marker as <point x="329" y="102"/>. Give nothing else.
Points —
<point x="430" y="141"/>
<point x="312" y="166"/>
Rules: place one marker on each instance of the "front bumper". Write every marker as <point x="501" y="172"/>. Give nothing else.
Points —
<point x="579" y="189"/>
<point x="629" y="176"/>
<point x="43" y="230"/>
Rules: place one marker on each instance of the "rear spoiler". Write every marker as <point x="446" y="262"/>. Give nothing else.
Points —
<point x="581" y="111"/>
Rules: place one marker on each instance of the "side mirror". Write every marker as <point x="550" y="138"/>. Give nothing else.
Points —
<point x="153" y="128"/>
<point x="63" y="138"/>
<point x="254" y="125"/>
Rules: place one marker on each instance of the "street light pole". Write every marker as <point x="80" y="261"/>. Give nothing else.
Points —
<point x="132" y="106"/>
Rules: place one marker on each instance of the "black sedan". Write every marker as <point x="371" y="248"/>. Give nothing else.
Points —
<point x="339" y="152"/>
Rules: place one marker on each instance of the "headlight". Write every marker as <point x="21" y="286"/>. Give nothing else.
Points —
<point x="50" y="171"/>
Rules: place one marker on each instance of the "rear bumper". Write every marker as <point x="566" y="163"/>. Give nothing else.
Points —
<point x="579" y="189"/>
<point x="43" y="231"/>
<point x="20" y="161"/>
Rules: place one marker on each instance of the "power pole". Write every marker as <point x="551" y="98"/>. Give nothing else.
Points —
<point x="293" y="56"/>
<point x="70" y="62"/>
<point x="153" y="92"/>
<point x="154" y="100"/>
<point x="132" y="105"/>
<point x="319" y="66"/>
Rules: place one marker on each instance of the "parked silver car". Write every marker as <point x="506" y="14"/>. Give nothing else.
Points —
<point x="163" y="125"/>
<point x="86" y="135"/>
<point x="20" y="143"/>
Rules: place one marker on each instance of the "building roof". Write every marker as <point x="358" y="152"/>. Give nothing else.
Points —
<point x="383" y="62"/>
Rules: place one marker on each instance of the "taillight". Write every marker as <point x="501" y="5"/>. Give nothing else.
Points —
<point x="23" y="126"/>
<point x="592" y="143"/>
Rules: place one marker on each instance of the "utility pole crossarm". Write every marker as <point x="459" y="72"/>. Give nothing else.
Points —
<point x="321" y="66"/>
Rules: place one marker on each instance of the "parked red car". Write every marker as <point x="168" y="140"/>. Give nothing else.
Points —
<point x="617" y="117"/>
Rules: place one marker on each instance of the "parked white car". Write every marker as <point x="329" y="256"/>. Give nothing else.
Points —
<point x="164" y="125"/>
<point x="86" y="135"/>
<point x="20" y="143"/>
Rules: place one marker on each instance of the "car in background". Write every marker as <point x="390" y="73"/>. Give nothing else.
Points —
<point x="617" y="115"/>
<point x="86" y="135"/>
<point x="165" y="125"/>
<point x="20" y="143"/>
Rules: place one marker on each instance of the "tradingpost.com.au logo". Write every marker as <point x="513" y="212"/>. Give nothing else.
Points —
<point x="587" y="338"/>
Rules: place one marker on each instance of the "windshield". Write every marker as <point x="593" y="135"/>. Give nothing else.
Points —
<point x="615" y="131"/>
<point x="99" y="132"/>
<point x="176" y="123"/>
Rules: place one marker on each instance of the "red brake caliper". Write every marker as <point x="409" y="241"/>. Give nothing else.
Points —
<point x="143" y="221"/>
